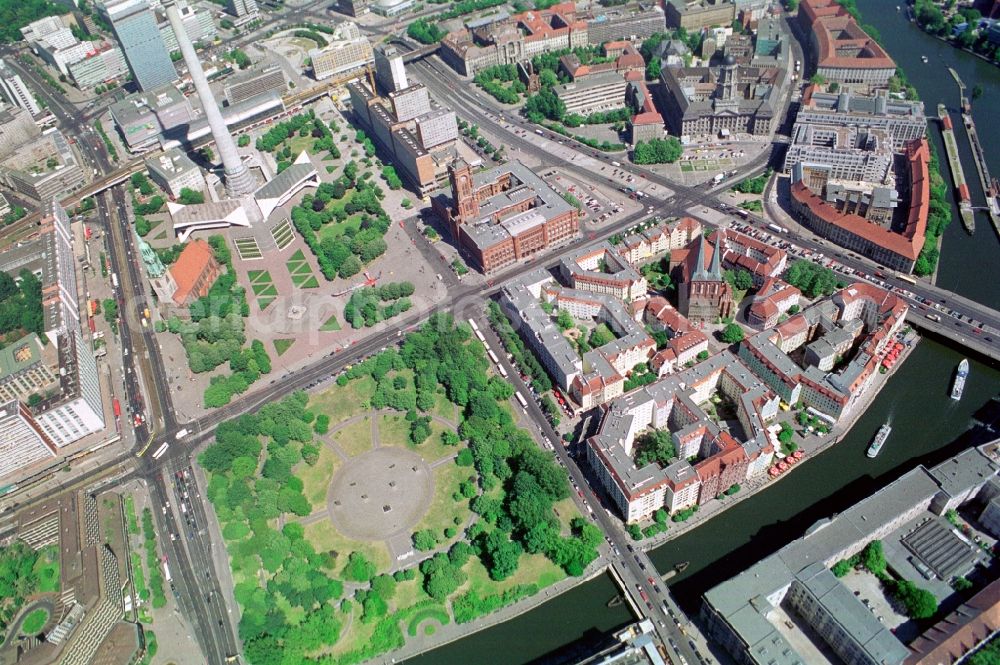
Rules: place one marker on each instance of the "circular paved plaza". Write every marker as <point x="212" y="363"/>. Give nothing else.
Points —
<point x="381" y="493"/>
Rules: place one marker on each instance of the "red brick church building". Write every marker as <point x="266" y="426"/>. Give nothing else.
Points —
<point x="704" y="294"/>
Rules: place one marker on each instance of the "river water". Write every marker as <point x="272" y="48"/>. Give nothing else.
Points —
<point x="927" y="425"/>
<point x="964" y="258"/>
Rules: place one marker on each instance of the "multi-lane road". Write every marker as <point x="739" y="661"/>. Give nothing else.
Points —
<point x="961" y="320"/>
<point x="632" y="565"/>
<point x="190" y="554"/>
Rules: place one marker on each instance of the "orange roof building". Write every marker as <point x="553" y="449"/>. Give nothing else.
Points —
<point x="844" y="52"/>
<point x="951" y="639"/>
<point x="897" y="251"/>
<point x="194" y="272"/>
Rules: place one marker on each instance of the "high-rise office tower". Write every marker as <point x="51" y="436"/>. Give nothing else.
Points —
<point x="16" y="91"/>
<point x="135" y="28"/>
<point x="239" y="180"/>
<point x="390" y="73"/>
<point x="243" y="9"/>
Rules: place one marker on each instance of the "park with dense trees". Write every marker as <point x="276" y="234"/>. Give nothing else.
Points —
<point x="311" y="594"/>
<point x="20" y="306"/>
<point x="216" y="334"/>
<point x="813" y="279"/>
<point x="19" y="579"/>
<point x="658" y="151"/>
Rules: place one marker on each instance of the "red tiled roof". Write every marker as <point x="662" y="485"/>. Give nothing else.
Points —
<point x="908" y="243"/>
<point x="956" y="635"/>
<point x="616" y="46"/>
<point x="835" y="29"/>
<point x="687" y="340"/>
<point x="666" y="314"/>
<point x="192" y="263"/>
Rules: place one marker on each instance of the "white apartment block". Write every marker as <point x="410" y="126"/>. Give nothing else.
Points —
<point x="173" y="171"/>
<point x="16" y="91"/>
<point x="390" y="72"/>
<point x="342" y="56"/>
<point x="41" y="28"/>
<point x="245" y="11"/>
<point x="864" y="155"/>
<point x="80" y="412"/>
<point x="410" y="102"/>
<point x="23" y="442"/>
<point x="436" y="127"/>
<point x="598" y="92"/>
<point x="198" y="25"/>
<point x="107" y="65"/>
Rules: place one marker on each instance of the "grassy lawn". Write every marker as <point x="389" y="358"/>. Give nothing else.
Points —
<point x="264" y="303"/>
<point x="316" y="479"/>
<point x="331" y="324"/>
<point x="248" y="248"/>
<point x="325" y="538"/>
<point x="300" y="143"/>
<point x="283" y="234"/>
<point x="532" y="569"/>
<point x="355" y="438"/>
<point x="337" y="229"/>
<point x="393" y="430"/>
<point x="444" y="407"/>
<point x="282" y="345"/>
<point x="340" y="403"/>
<point x="133" y="522"/>
<point x="409" y="593"/>
<point x="566" y="510"/>
<point x="47" y="569"/>
<point x="300" y="272"/>
<point x="429" y="614"/>
<point x="34" y="622"/>
<point x="444" y="509"/>
<point x="357" y="636"/>
<point x="432" y="449"/>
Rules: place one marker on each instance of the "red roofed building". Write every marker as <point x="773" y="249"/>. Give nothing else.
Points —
<point x="509" y="41"/>
<point x="897" y="251"/>
<point x="194" y="272"/>
<point x="661" y="315"/>
<point x="627" y="60"/>
<point x="741" y="252"/>
<point x="666" y="237"/>
<point x="704" y="295"/>
<point x="723" y="469"/>
<point x="951" y="639"/>
<point x="844" y="52"/>
<point x="773" y="299"/>
<point x="647" y="123"/>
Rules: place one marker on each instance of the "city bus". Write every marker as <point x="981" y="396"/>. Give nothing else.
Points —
<point x="905" y="278"/>
<point x="521" y="400"/>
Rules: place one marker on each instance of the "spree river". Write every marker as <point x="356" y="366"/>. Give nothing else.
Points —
<point x="961" y="254"/>
<point x="927" y="425"/>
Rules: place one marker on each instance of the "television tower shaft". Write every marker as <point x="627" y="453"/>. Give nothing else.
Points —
<point x="239" y="181"/>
